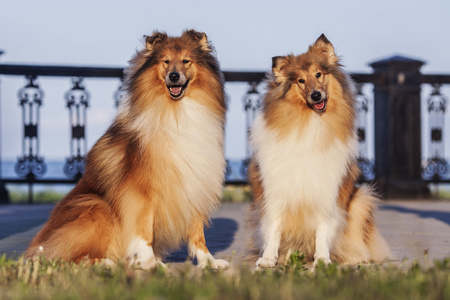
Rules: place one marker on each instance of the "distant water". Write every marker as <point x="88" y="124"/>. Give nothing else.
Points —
<point x="55" y="169"/>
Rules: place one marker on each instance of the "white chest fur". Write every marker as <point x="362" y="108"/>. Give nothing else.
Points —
<point x="301" y="169"/>
<point x="187" y="137"/>
<point x="198" y="147"/>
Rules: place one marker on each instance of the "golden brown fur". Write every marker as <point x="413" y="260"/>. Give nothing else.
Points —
<point x="304" y="170"/>
<point x="154" y="177"/>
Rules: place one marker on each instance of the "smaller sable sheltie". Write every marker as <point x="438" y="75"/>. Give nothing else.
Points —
<point x="304" y="168"/>
<point x="155" y="176"/>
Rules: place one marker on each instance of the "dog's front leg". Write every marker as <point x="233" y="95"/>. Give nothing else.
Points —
<point x="197" y="248"/>
<point x="272" y="236"/>
<point x="324" y="235"/>
<point x="140" y="249"/>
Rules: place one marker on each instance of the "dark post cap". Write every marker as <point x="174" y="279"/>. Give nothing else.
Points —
<point x="397" y="61"/>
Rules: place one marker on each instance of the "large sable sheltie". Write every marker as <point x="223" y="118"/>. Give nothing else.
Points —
<point x="304" y="168"/>
<point x="155" y="176"/>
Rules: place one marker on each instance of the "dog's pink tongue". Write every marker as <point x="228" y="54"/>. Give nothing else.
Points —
<point x="175" y="89"/>
<point x="319" y="106"/>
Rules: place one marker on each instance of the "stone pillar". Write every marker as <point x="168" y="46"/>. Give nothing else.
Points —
<point x="398" y="128"/>
<point x="4" y="196"/>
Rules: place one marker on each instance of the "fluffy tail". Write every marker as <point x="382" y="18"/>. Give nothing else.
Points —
<point x="362" y="242"/>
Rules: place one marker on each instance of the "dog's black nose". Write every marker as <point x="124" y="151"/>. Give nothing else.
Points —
<point x="174" y="76"/>
<point x="316" y="96"/>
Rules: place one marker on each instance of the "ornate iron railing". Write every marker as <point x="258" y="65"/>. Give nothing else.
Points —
<point x="31" y="165"/>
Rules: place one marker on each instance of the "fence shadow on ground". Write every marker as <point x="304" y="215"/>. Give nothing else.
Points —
<point x="438" y="215"/>
<point x="219" y="236"/>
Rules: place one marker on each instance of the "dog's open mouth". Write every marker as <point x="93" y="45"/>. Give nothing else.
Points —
<point x="320" y="106"/>
<point x="177" y="91"/>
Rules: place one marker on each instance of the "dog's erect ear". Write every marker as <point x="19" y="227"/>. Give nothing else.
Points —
<point x="279" y="64"/>
<point x="199" y="37"/>
<point x="153" y="40"/>
<point x="324" y="46"/>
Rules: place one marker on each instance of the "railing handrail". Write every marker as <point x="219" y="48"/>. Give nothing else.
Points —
<point x="117" y="72"/>
<point x="61" y="71"/>
<point x="436" y="78"/>
<point x="105" y="72"/>
<point x="230" y="76"/>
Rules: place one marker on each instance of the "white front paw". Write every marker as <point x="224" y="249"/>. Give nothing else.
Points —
<point x="209" y="261"/>
<point x="266" y="262"/>
<point x="326" y="261"/>
<point x="140" y="255"/>
<point x="145" y="264"/>
<point x="213" y="263"/>
<point x="106" y="262"/>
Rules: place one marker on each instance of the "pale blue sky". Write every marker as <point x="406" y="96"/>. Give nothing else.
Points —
<point x="246" y="34"/>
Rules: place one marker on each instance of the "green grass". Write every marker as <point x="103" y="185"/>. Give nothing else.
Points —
<point x="40" y="279"/>
<point x="45" y="196"/>
<point x="236" y="194"/>
<point x="440" y="191"/>
<point x="441" y="195"/>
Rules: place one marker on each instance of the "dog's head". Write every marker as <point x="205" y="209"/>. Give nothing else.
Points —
<point x="174" y="63"/>
<point x="178" y="59"/>
<point x="307" y="75"/>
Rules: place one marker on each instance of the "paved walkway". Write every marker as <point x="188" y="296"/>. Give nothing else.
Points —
<point x="411" y="228"/>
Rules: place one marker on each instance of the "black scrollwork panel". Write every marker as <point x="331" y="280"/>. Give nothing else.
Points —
<point x="74" y="167"/>
<point x="362" y="110"/>
<point x="436" y="134"/>
<point x="436" y="167"/>
<point x="252" y="101"/>
<point x="244" y="167"/>
<point x="119" y="94"/>
<point x="30" y="164"/>
<point x="361" y="132"/>
<point x="77" y="102"/>
<point x="367" y="168"/>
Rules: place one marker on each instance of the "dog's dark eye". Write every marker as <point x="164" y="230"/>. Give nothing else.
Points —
<point x="167" y="61"/>
<point x="318" y="75"/>
<point x="185" y="61"/>
<point x="302" y="81"/>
